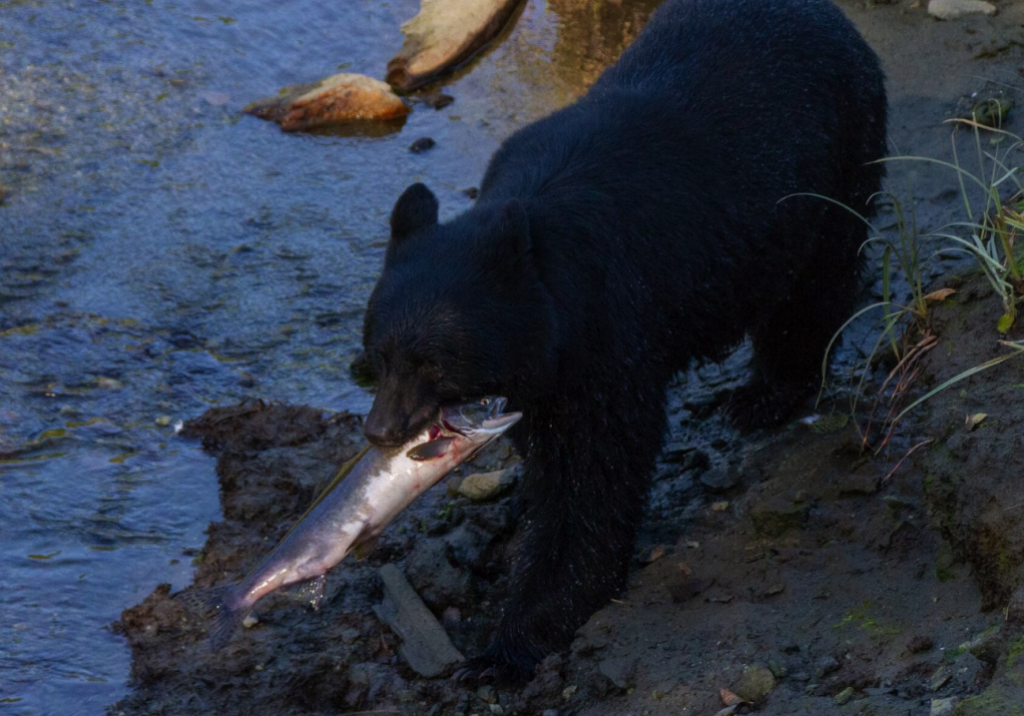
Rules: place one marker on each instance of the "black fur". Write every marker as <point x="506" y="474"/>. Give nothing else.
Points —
<point x="646" y="225"/>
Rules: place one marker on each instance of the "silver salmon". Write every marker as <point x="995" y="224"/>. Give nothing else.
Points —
<point x="350" y="513"/>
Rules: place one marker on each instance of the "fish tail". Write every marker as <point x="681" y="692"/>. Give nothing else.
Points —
<point x="213" y="606"/>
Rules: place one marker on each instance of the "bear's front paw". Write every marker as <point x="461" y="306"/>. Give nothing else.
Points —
<point x="488" y="670"/>
<point x="764" y="404"/>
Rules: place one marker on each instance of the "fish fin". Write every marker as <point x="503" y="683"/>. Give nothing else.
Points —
<point x="430" y="450"/>
<point x="309" y="591"/>
<point x="362" y="550"/>
<point x="211" y="605"/>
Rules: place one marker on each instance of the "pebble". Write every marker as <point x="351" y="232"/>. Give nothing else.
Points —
<point x="826" y="665"/>
<point x="943" y="707"/>
<point x="163" y="421"/>
<point x="486" y="694"/>
<point x="652" y="553"/>
<point x="952" y="9"/>
<point x="250" y="621"/>
<point x="487" y="485"/>
<point x="940" y="678"/>
<point x="756" y="683"/>
<point x="421" y="145"/>
<point x="719" y="480"/>
<point x="845" y="695"/>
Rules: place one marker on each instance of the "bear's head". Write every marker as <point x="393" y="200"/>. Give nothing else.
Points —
<point x="458" y="312"/>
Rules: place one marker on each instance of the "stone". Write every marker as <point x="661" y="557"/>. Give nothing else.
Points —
<point x="940" y="677"/>
<point x="719" y="480"/>
<point x="953" y="9"/>
<point x="826" y="665"/>
<point x="845" y="695"/>
<point x="444" y="34"/>
<point x="919" y="644"/>
<point x="425" y="644"/>
<point x="338" y="99"/>
<point x="484" y="486"/>
<point x="756" y="682"/>
<point x="436" y="579"/>
<point x="943" y="707"/>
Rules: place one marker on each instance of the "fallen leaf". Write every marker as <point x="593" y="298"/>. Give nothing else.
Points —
<point x="731" y="699"/>
<point x="941" y="295"/>
<point x="975" y="420"/>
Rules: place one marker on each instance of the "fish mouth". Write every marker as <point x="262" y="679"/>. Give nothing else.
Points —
<point x="486" y="414"/>
<point x="478" y="423"/>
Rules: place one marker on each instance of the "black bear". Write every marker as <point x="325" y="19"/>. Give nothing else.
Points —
<point x="655" y="221"/>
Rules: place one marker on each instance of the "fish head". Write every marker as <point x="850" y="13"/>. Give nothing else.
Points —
<point x="462" y="430"/>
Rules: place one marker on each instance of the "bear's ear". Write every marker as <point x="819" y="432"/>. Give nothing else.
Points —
<point x="415" y="209"/>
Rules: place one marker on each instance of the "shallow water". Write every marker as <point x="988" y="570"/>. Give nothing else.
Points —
<point x="161" y="253"/>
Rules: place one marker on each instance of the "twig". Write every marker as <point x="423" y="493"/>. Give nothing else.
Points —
<point x="910" y="452"/>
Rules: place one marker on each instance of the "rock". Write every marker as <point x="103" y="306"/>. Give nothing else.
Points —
<point x="755" y="683"/>
<point x="676" y="452"/>
<point x="425" y="645"/>
<point x="966" y="671"/>
<point x="652" y="553"/>
<point x="421" y="145"/>
<point x="486" y="694"/>
<point x="940" y="678"/>
<point x="775" y="516"/>
<point x="439" y="101"/>
<point x="686" y="589"/>
<point x="487" y="485"/>
<point x="943" y="707"/>
<point x="616" y="671"/>
<point x="438" y="582"/>
<point x="845" y="695"/>
<point x="826" y="665"/>
<point x="697" y="460"/>
<point x="919" y="644"/>
<point x="778" y="668"/>
<point x="987" y="645"/>
<point x="444" y="34"/>
<point x="338" y="99"/>
<point x="952" y="9"/>
<point x="719" y="480"/>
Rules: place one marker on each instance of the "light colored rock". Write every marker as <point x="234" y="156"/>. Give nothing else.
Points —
<point x="943" y="707"/>
<point x="756" y="683"/>
<point x="338" y="99"/>
<point x="444" y="34"/>
<point x="487" y="485"/>
<point x="425" y="644"/>
<point x="952" y="9"/>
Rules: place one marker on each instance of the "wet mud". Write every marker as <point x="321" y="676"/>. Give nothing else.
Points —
<point x="792" y="569"/>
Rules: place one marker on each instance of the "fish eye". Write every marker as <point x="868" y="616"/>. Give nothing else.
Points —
<point x="485" y="402"/>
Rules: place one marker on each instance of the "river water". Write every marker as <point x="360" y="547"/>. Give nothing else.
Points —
<point x="161" y="253"/>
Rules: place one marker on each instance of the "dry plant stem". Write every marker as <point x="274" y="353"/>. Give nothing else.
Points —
<point x="909" y="452"/>
<point x="907" y="370"/>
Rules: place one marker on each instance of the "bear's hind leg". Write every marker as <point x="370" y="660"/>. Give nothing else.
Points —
<point x="790" y="340"/>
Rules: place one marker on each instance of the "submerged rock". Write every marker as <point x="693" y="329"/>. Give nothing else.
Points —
<point x="952" y="9"/>
<point x="338" y="99"/>
<point x="444" y="34"/>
